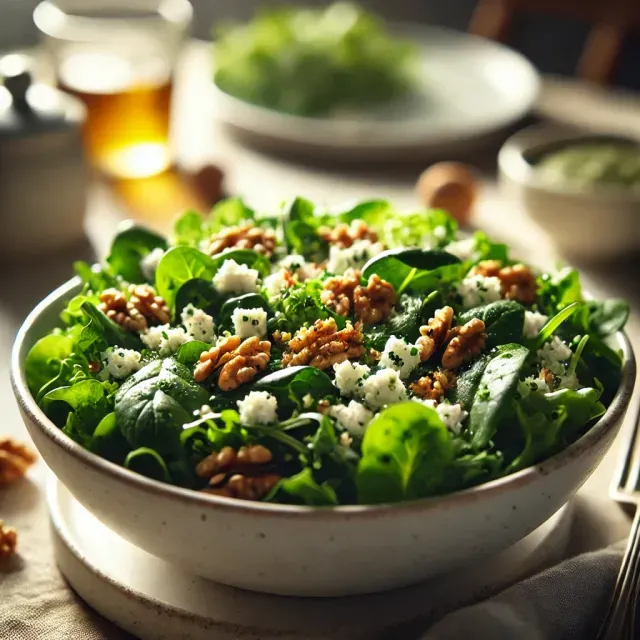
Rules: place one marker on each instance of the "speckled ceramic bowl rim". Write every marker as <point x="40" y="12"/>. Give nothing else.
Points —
<point x="514" y="166"/>
<point x="126" y="478"/>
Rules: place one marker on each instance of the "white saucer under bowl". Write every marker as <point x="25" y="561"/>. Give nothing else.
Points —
<point x="155" y="600"/>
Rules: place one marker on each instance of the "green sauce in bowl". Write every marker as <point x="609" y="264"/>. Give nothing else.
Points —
<point x="593" y="164"/>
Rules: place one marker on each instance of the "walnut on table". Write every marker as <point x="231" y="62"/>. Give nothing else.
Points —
<point x="323" y="345"/>
<point x="344" y="235"/>
<point x="517" y="281"/>
<point x="464" y="343"/>
<point x="434" y="386"/>
<point x="246" y="236"/>
<point x="434" y="333"/>
<point x="15" y="459"/>
<point x="8" y="541"/>
<point x="240" y="474"/>
<point x="135" y="313"/>
<point x="238" y="361"/>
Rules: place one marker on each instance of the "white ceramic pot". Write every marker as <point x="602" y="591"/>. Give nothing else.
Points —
<point x="309" y="551"/>
<point x="585" y="224"/>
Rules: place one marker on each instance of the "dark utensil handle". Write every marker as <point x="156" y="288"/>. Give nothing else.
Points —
<point x="620" y="621"/>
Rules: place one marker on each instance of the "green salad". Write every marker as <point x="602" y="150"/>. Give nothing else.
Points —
<point x="311" y="62"/>
<point x="324" y="357"/>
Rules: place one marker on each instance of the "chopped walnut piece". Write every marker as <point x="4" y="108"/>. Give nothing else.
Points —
<point x="344" y="235"/>
<point x="322" y="345"/>
<point x="143" y="298"/>
<point x="15" y="459"/>
<point x="464" y="343"/>
<point x="338" y="291"/>
<point x="518" y="282"/>
<point x="434" y="386"/>
<point x="547" y="375"/>
<point x="281" y="337"/>
<point x="238" y="362"/>
<point x="246" y="487"/>
<point x="374" y="302"/>
<point x="228" y="460"/>
<point x="434" y="333"/>
<point x="8" y="541"/>
<point x="246" y="236"/>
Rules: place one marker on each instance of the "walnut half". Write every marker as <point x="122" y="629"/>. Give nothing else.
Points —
<point x="434" y="386"/>
<point x="464" y="343"/>
<point x="434" y="333"/>
<point x="15" y="459"/>
<point x="518" y="281"/>
<point x="8" y="541"/>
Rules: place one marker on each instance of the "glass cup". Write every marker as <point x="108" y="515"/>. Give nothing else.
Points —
<point x="119" y="57"/>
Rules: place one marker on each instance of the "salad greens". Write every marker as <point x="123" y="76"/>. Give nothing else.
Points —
<point x="310" y="62"/>
<point x="353" y="315"/>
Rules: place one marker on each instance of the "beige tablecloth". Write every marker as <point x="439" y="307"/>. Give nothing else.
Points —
<point x="35" y="603"/>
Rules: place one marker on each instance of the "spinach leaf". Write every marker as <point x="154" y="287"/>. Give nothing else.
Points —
<point x="470" y="468"/>
<point x="44" y="360"/>
<point x="245" y="301"/>
<point x="374" y="212"/>
<point x="291" y="384"/>
<point x="404" y="323"/>
<point x="148" y="462"/>
<point x="129" y="247"/>
<point x="488" y="250"/>
<point x="228" y="213"/>
<point x="188" y="229"/>
<point x="600" y="364"/>
<point x="405" y="452"/>
<point x="468" y="381"/>
<point x="503" y="321"/>
<point x="300" y="225"/>
<point x="433" y="227"/>
<point x="495" y="392"/>
<point x="415" y="269"/>
<point x="108" y="442"/>
<point x="155" y="402"/>
<point x="601" y="318"/>
<point x="189" y="352"/>
<point x="101" y="332"/>
<point x="302" y="489"/>
<point x="552" y="325"/>
<point x="95" y="277"/>
<point x="72" y="369"/>
<point x="558" y="290"/>
<point x="198" y="292"/>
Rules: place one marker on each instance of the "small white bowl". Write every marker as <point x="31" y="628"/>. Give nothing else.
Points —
<point x="584" y="223"/>
<point x="306" y="551"/>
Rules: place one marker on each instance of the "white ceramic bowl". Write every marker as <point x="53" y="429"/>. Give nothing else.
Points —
<point x="308" y="551"/>
<point x="585" y="224"/>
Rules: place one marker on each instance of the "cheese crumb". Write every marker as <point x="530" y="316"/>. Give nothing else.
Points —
<point x="463" y="249"/>
<point x="249" y="322"/>
<point x="120" y="363"/>
<point x="350" y="377"/>
<point x="533" y="322"/>
<point x="164" y="339"/>
<point x="476" y="290"/>
<point x="554" y="354"/>
<point x="198" y="323"/>
<point x="354" y="417"/>
<point x="400" y="355"/>
<point x="532" y="384"/>
<point x="232" y="277"/>
<point x="258" y="407"/>
<point x="352" y="257"/>
<point x="276" y="283"/>
<point x="149" y="264"/>
<point x="382" y="388"/>
<point x="452" y="415"/>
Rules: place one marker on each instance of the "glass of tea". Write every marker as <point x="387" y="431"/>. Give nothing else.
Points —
<point x="119" y="57"/>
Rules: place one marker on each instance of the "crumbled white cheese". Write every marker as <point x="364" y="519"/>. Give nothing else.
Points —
<point x="354" y="417"/>
<point x="258" y="407"/>
<point x="307" y="401"/>
<point x="232" y="277"/>
<point x="119" y="362"/>
<point x="568" y="381"/>
<point x="533" y="322"/>
<point x="463" y="249"/>
<point x="440" y="232"/>
<point x="276" y="283"/>
<point x="149" y="263"/>
<point x="382" y="388"/>
<point x="292" y="262"/>
<point x="476" y="290"/>
<point x="164" y="339"/>
<point x="400" y="355"/>
<point x="350" y="377"/>
<point x="352" y="257"/>
<point x="452" y="415"/>
<point x="532" y="384"/>
<point x="249" y="322"/>
<point x="198" y="323"/>
<point x="553" y="354"/>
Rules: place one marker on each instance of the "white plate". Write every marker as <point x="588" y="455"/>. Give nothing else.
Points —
<point x="155" y="600"/>
<point x="468" y="87"/>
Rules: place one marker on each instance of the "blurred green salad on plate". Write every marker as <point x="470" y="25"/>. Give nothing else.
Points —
<point x="313" y="62"/>
<point x="324" y="357"/>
